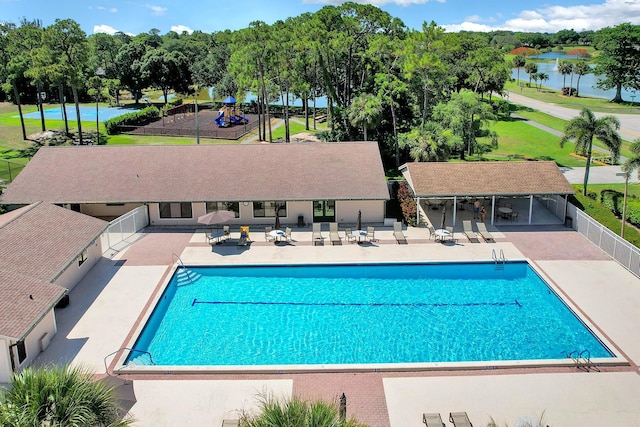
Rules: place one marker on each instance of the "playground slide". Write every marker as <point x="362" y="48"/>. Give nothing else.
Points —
<point x="220" y="120"/>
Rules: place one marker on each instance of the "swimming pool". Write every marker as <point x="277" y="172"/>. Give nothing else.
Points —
<point x="361" y="314"/>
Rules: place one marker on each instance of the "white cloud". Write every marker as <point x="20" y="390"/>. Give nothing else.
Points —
<point x="158" y="10"/>
<point x="104" y="29"/>
<point x="180" y="28"/>
<point x="553" y="18"/>
<point x="473" y="18"/>
<point x="113" y="10"/>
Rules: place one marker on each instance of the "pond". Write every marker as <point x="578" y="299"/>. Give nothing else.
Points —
<point x="556" y="81"/>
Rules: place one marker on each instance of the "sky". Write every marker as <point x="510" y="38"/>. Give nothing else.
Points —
<point x="135" y="17"/>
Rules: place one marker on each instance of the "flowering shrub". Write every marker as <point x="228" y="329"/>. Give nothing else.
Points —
<point x="525" y="51"/>
<point x="407" y="203"/>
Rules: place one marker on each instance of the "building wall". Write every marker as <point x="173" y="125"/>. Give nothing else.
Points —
<point x="5" y="362"/>
<point x="346" y="212"/>
<point x="102" y="210"/>
<point x="74" y="272"/>
<point x="33" y="343"/>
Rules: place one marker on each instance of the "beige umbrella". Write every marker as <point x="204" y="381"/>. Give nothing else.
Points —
<point x="216" y="217"/>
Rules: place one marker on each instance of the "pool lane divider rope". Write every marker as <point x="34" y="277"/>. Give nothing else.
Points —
<point x="360" y="304"/>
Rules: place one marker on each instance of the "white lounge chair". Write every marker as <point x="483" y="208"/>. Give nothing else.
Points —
<point x="333" y="233"/>
<point x="482" y="230"/>
<point x="460" y="419"/>
<point x="467" y="229"/>
<point x="397" y="232"/>
<point x="432" y="420"/>
<point x="316" y="234"/>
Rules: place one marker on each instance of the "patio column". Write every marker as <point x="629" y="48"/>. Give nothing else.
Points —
<point x="417" y="211"/>
<point x="493" y="208"/>
<point x="530" y="208"/>
<point x="455" y="207"/>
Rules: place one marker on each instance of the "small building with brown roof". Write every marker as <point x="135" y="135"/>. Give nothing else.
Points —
<point x="45" y="251"/>
<point x="495" y="183"/>
<point x="321" y="182"/>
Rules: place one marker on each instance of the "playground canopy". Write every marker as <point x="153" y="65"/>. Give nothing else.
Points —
<point x="229" y="100"/>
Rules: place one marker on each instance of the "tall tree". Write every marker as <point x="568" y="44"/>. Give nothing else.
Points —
<point x="580" y="69"/>
<point x="365" y="111"/>
<point x="531" y="68"/>
<point x="619" y="58"/>
<point x="430" y="143"/>
<point x="464" y="115"/>
<point x="565" y="68"/>
<point x="422" y="60"/>
<point x="129" y="68"/>
<point x="165" y="71"/>
<point x="518" y="62"/>
<point x="69" y="44"/>
<point x="583" y="128"/>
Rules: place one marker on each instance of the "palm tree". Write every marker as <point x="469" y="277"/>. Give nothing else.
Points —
<point x="583" y="128"/>
<point x="59" y="396"/>
<point x="581" y="68"/>
<point x="518" y="62"/>
<point x="365" y="110"/>
<point x="632" y="163"/>
<point x="296" y="412"/>
<point x="531" y="68"/>
<point x="565" y="68"/>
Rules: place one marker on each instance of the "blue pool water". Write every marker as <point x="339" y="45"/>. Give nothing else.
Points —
<point x="360" y="314"/>
<point x="86" y="113"/>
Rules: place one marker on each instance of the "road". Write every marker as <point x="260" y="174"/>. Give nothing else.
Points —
<point x="629" y="123"/>
<point x="629" y="130"/>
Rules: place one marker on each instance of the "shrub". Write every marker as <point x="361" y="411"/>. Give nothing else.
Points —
<point x="569" y="91"/>
<point x="136" y="118"/>
<point x="407" y="203"/>
<point x="614" y="201"/>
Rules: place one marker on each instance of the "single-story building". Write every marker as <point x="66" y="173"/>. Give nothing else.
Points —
<point x="496" y="184"/>
<point x="312" y="182"/>
<point x="45" y="252"/>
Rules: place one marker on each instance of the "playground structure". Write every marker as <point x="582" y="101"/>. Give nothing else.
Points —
<point x="229" y="114"/>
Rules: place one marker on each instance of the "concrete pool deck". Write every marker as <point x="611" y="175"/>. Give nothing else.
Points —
<point x="109" y="301"/>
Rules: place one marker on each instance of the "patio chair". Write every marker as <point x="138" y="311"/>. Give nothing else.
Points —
<point x="432" y="232"/>
<point x="208" y="235"/>
<point x="230" y="423"/>
<point x="371" y="234"/>
<point x="467" y="229"/>
<point x="482" y="230"/>
<point x="460" y="419"/>
<point x="287" y="234"/>
<point x="244" y="235"/>
<point x="398" y="234"/>
<point x="450" y="237"/>
<point x="333" y="233"/>
<point x="514" y="216"/>
<point x="226" y="231"/>
<point x="348" y="234"/>
<point x="432" y="420"/>
<point x="316" y="234"/>
<point x="267" y="236"/>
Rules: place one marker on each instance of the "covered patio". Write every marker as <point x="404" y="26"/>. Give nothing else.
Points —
<point x="512" y="193"/>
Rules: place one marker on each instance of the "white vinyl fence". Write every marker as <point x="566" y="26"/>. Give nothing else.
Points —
<point x="616" y="247"/>
<point x="123" y="227"/>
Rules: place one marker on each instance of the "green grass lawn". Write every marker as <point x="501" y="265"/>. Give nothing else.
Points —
<point x="553" y="96"/>
<point x="517" y="138"/>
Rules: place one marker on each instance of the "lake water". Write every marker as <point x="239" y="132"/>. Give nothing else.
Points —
<point x="587" y="82"/>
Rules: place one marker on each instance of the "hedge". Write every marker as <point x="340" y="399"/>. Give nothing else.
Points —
<point x="614" y="201"/>
<point x="136" y="118"/>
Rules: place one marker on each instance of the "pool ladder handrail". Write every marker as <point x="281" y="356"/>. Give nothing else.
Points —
<point x="582" y="359"/>
<point x="106" y="369"/>
<point x="181" y="264"/>
<point x="498" y="260"/>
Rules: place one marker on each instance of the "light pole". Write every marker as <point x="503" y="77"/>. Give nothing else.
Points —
<point x="197" y="128"/>
<point x="624" y="201"/>
<point x="99" y="73"/>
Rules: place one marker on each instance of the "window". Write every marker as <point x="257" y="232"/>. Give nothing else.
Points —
<point x="175" y="210"/>
<point x="22" y="351"/>
<point x="224" y="206"/>
<point x="268" y="209"/>
<point x="83" y="257"/>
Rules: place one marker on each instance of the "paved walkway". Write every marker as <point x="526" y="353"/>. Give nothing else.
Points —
<point x="106" y="307"/>
<point x="629" y="123"/>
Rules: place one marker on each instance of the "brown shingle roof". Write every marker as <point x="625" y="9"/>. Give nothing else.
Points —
<point x="118" y="174"/>
<point x="18" y="311"/>
<point x="486" y="178"/>
<point x="41" y="239"/>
